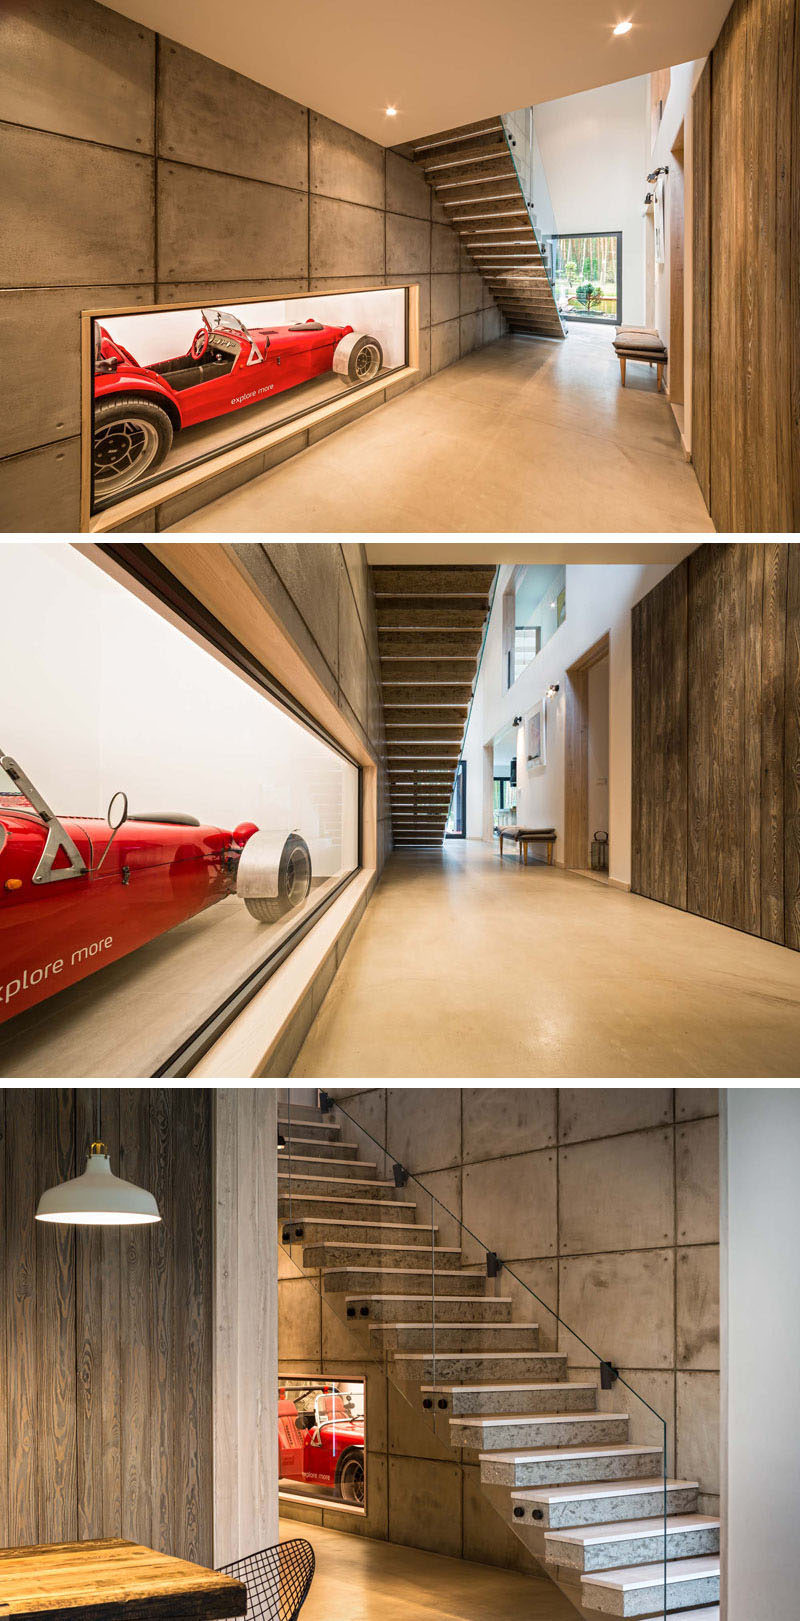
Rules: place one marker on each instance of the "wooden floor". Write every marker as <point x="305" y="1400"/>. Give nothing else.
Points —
<point x="523" y="435"/>
<point x="358" y="1579"/>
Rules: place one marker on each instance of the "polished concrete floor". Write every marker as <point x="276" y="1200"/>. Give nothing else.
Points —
<point x="463" y="966"/>
<point x="358" y="1579"/>
<point x="523" y="435"/>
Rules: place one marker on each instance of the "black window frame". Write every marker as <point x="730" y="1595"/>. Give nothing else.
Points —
<point x="594" y="320"/>
<point x="134" y="559"/>
<point x="460" y="795"/>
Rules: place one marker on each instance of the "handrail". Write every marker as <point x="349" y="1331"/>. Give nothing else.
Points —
<point x="609" y="1374"/>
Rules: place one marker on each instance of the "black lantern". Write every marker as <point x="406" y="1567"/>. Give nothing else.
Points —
<point x="600" y="852"/>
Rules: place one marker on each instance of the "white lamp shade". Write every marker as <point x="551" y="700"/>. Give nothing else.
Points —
<point x="98" y="1199"/>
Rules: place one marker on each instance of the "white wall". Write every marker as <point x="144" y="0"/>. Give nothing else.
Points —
<point x="760" y="1299"/>
<point x="595" y="154"/>
<point x="599" y="599"/>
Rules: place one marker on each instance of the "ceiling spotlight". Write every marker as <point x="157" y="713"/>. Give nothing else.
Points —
<point x="623" y="28"/>
<point x="391" y="112"/>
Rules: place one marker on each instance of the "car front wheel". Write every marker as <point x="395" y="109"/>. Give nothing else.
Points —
<point x="294" y="883"/>
<point x="131" y="439"/>
<point x="351" y="1479"/>
<point x="358" y="357"/>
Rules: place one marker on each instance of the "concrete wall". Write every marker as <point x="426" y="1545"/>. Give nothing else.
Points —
<point x="605" y="1201"/>
<point x="133" y="171"/>
<point x="760" y="1329"/>
<point x="599" y="599"/>
<point x="595" y="149"/>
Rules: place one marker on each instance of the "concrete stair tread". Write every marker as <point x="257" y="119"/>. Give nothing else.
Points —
<point x="600" y="1488"/>
<point x="594" y="1417"/>
<point x="323" y="1244"/>
<point x="303" y="1182"/>
<point x="320" y="1159"/>
<point x="544" y="1454"/>
<point x="500" y="1300"/>
<point x="678" y="1570"/>
<point x="399" y="1271"/>
<point x="348" y="1222"/>
<point x="496" y="1328"/>
<point x="335" y="1198"/>
<point x="469" y="1356"/>
<point x="447" y="1389"/>
<point x="629" y="1530"/>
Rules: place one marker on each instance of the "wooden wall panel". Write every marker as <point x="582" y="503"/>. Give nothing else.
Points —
<point x="746" y="360"/>
<point x="105" y="1336"/>
<point x="716" y="817"/>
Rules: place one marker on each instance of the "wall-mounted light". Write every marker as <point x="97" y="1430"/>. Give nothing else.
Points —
<point x="648" y="202"/>
<point x="517" y="721"/>
<point x="98" y="1198"/>
<point x="622" y="28"/>
<point x="281" y="1143"/>
<point x="663" y="168"/>
<point x="552" y="689"/>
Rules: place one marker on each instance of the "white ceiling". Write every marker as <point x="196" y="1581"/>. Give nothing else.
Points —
<point x="441" y="62"/>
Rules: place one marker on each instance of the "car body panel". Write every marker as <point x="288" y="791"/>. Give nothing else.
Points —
<point x="311" y="1456"/>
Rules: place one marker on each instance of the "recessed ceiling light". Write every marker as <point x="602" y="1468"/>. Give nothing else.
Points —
<point x="391" y="112"/>
<point x="623" y="28"/>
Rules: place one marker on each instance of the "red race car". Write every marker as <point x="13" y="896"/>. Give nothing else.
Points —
<point x="77" y="893"/>
<point x="321" y="1444"/>
<point x="138" y="409"/>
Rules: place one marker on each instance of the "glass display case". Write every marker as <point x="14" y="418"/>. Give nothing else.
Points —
<point x="322" y="1440"/>
<point x="168" y="827"/>
<point x="174" y="387"/>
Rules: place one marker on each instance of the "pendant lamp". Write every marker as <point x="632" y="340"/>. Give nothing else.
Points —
<point x="98" y="1198"/>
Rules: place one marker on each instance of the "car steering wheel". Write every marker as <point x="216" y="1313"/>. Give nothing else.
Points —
<point x="199" y="344"/>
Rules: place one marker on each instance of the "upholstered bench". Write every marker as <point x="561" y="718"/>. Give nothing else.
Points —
<point x="523" y="836"/>
<point x="640" y="343"/>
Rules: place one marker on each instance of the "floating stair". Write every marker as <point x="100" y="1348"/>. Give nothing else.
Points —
<point x="430" y="627"/>
<point x="585" y="1499"/>
<point x="474" y="179"/>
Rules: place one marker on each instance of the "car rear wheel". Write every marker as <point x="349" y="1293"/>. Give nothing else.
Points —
<point x="131" y="439"/>
<point x="358" y="357"/>
<point x="351" y="1479"/>
<point x="294" y="883"/>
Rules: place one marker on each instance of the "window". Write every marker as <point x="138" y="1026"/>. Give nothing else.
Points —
<point x="322" y="1440"/>
<point x="534" y="606"/>
<point x="457" y="820"/>
<point x="171" y="828"/>
<point x="588" y="276"/>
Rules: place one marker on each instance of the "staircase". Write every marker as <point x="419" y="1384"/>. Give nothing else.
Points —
<point x="586" y="1501"/>
<point x="430" y="628"/>
<point x="475" y="180"/>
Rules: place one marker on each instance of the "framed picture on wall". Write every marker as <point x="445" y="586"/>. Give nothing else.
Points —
<point x="536" y="739"/>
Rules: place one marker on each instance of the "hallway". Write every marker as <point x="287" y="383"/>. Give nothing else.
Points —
<point x="359" y="1579"/>
<point x="464" y="967"/>
<point x="523" y="435"/>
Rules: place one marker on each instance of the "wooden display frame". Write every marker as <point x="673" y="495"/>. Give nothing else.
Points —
<point x="124" y="513"/>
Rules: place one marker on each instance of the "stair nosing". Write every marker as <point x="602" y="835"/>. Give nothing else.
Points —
<point x="676" y="1571"/>
<point x="599" y="1488"/>
<point x="632" y="1530"/>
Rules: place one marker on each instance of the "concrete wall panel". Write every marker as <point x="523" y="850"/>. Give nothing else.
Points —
<point x="344" y="164"/>
<point x="40" y="490"/>
<point x="312" y="576"/>
<point x="472" y="292"/>
<point x="697" y="1172"/>
<point x="542" y="1278"/>
<point x="408" y="246"/>
<point x="617" y="1193"/>
<point x="471" y="332"/>
<point x="41" y="396"/>
<point x="424" y="1127"/>
<point x="425" y="1504"/>
<point x="698" y="1428"/>
<point x="697" y="1293"/>
<point x="507" y="1120"/>
<point x="78" y="69"/>
<point x="445" y="345"/>
<point x="489" y="1540"/>
<point x="445" y="249"/>
<point x="219" y="227"/>
<point x="622" y="1305"/>
<point x="72" y="213"/>
<point x="510" y="1205"/>
<point x="691" y="1102"/>
<point x="407" y="192"/>
<point x="444" y="298"/>
<point x="346" y="239"/>
<point x="213" y="118"/>
<point x="603" y="1111"/>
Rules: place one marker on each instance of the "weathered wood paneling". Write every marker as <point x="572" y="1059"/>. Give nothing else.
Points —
<point x="105" y="1336"/>
<point x="746" y="343"/>
<point x="716" y="739"/>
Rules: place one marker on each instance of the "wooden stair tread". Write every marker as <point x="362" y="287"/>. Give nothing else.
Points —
<point x="678" y="1570"/>
<point x="630" y="1530"/>
<point x="598" y="1488"/>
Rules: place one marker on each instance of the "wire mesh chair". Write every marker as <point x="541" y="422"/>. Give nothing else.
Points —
<point x="277" y="1579"/>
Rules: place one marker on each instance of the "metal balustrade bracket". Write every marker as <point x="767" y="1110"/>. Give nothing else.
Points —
<point x="400" y="1175"/>
<point x="494" y="1265"/>
<point x="324" y="1102"/>
<point x="608" y="1375"/>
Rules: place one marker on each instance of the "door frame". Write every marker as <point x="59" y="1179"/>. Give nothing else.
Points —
<point x="576" y="753"/>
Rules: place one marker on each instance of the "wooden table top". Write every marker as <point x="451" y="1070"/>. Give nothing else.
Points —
<point x="112" y="1580"/>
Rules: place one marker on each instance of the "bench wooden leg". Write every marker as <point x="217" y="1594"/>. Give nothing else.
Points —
<point x="549" y="855"/>
<point x="623" y="361"/>
<point x="659" y="375"/>
<point x="525" y="853"/>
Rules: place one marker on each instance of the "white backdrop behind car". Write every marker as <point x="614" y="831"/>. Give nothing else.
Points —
<point x="164" y="334"/>
<point x="102" y="692"/>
